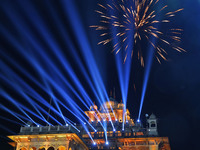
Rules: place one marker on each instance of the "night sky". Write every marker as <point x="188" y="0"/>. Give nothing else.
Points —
<point x="173" y="90"/>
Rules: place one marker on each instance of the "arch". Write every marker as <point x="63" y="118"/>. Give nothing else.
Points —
<point x="153" y="124"/>
<point x="33" y="148"/>
<point x="51" y="148"/>
<point x="41" y="148"/>
<point x="61" y="148"/>
<point x="23" y="148"/>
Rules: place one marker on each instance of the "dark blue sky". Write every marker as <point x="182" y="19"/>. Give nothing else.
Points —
<point x="173" y="91"/>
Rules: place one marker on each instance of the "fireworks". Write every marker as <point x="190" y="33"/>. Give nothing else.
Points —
<point x="135" y="21"/>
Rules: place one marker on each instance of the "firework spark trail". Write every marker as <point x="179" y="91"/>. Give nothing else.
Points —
<point x="138" y="17"/>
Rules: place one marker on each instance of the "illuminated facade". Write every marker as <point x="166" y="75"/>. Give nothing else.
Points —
<point x="111" y="132"/>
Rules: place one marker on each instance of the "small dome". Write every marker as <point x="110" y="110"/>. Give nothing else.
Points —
<point x="93" y="107"/>
<point x="152" y="116"/>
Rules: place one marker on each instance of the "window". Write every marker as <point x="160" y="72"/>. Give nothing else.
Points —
<point x="101" y="134"/>
<point x="110" y="133"/>
<point x="51" y="148"/>
<point x="85" y="136"/>
<point x="153" y="124"/>
<point x="118" y="133"/>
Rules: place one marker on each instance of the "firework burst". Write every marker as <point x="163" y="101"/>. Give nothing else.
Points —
<point x="138" y="19"/>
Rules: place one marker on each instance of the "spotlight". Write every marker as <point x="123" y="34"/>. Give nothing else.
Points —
<point x="114" y="130"/>
<point x="84" y="123"/>
<point x="38" y="125"/>
<point x="75" y="124"/>
<point x="146" y="115"/>
<point x="115" y="119"/>
<point x="67" y="125"/>
<point x="138" y="120"/>
<point x="122" y="129"/>
<point x="95" y="130"/>
<point x="94" y="143"/>
<point x="107" y="143"/>
<point x="29" y="125"/>
<point x="98" y="120"/>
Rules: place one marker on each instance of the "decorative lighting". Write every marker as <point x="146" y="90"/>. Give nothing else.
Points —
<point x="107" y="143"/>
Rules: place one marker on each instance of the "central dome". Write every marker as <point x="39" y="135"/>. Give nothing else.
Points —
<point x="110" y="104"/>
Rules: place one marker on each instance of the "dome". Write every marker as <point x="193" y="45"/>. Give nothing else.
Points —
<point x="152" y="116"/>
<point x="109" y="105"/>
<point x="94" y="107"/>
<point x="121" y="105"/>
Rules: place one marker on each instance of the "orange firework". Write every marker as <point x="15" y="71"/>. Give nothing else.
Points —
<point x="140" y="19"/>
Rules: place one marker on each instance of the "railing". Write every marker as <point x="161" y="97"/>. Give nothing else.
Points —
<point x="45" y="129"/>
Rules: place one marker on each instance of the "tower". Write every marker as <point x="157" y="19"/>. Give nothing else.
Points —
<point x="152" y="125"/>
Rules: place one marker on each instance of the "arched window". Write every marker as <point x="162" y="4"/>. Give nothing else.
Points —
<point x="153" y="124"/>
<point x="23" y="148"/>
<point x="41" y="148"/>
<point x="61" y="148"/>
<point x="33" y="148"/>
<point x="51" y="148"/>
